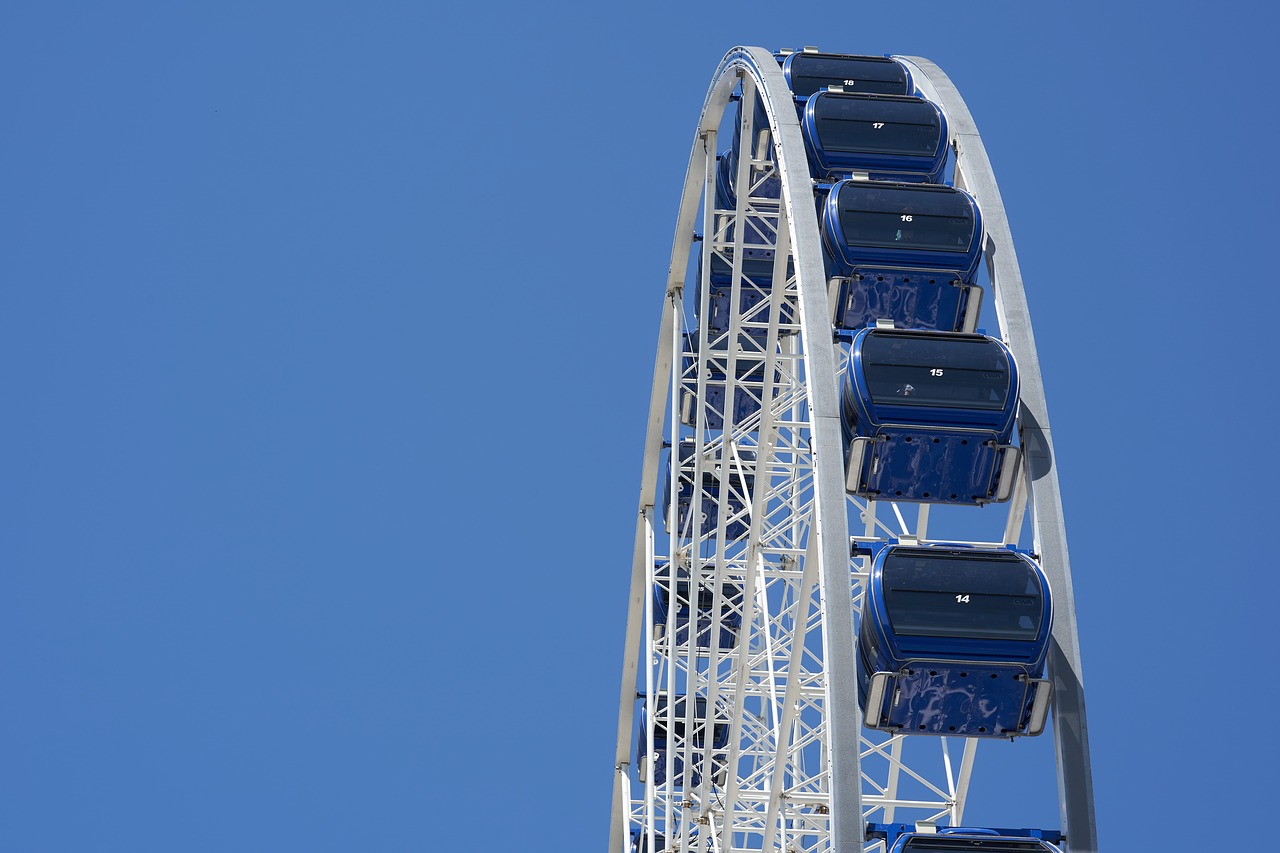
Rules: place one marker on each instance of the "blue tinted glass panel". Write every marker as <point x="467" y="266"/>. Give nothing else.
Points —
<point x="948" y="595"/>
<point x="867" y="125"/>
<point x="811" y="72"/>
<point x="919" y="370"/>
<point x="903" y="218"/>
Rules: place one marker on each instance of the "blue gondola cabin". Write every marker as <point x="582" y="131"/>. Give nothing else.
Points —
<point x="903" y="252"/>
<point x="953" y="641"/>
<point x="748" y="387"/>
<point x="754" y="291"/>
<point x="696" y="606"/>
<point x="704" y="733"/>
<point x="737" y="499"/>
<point x="928" y="417"/>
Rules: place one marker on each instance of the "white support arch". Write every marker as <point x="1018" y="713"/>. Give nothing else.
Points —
<point x="796" y="770"/>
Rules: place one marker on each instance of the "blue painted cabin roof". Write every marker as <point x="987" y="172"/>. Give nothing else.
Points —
<point x="905" y="838"/>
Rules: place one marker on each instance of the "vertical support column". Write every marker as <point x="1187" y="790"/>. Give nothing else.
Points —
<point x="830" y="524"/>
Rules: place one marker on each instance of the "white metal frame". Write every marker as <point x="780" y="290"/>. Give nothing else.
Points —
<point x="802" y="774"/>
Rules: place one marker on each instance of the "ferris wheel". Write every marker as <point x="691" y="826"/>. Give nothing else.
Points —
<point x="850" y="566"/>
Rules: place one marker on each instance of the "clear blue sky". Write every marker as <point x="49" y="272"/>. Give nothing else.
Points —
<point x="326" y="336"/>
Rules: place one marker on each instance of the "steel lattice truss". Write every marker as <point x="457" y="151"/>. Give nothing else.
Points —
<point x="773" y="754"/>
